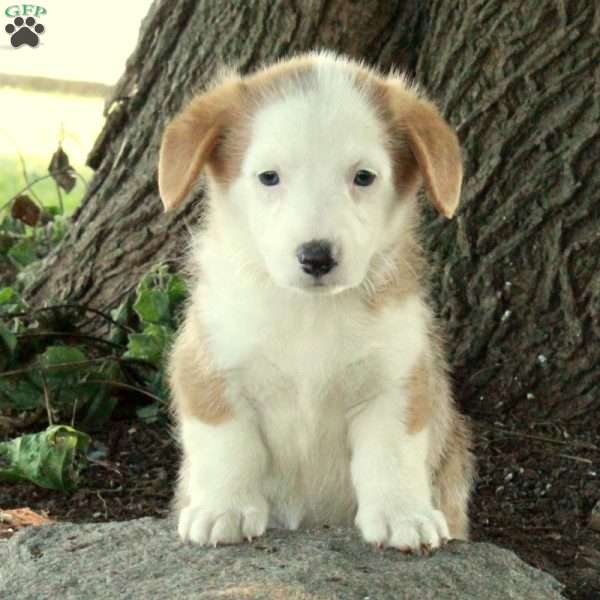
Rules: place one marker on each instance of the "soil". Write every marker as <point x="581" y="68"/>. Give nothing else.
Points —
<point x="536" y="488"/>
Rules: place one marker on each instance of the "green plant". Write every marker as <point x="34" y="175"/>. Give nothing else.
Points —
<point x="67" y="363"/>
<point x="52" y="458"/>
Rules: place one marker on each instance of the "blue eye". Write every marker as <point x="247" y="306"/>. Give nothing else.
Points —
<point x="268" y="178"/>
<point x="364" y="178"/>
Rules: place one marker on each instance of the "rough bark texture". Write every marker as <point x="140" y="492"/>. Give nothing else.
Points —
<point x="516" y="274"/>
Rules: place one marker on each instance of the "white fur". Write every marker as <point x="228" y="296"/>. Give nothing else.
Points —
<point x="316" y="380"/>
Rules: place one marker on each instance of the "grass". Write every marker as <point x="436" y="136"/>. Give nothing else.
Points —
<point x="32" y="125"/>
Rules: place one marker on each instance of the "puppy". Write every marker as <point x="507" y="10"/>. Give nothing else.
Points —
<point x="308" y="382"/>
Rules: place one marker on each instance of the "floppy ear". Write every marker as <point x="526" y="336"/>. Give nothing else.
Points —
<point x="190" y="140"/>
<point x="434" y="146"/>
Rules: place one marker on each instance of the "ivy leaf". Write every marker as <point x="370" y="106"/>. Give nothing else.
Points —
<point x="8" y="345"/>
<point x="64" y="381"/>
<point x="8" y="296"/>
<point x="150" y="345"/>
<point x="8" y="338"/>
<point x="52" y="459"/>
<point x="19" y="396"/>
<point x="177" y="291"/>
<point x="152" y="306"/>
<point x="23" y="253"/>
<point x="121" y="315"/>
<point x="61" y="355"/>
<point x="10" y="302"/>
<point x="158" y="385"/>
<point x="101" y="403"/>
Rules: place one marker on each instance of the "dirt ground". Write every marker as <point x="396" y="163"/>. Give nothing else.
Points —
<point x="535" y="491"/>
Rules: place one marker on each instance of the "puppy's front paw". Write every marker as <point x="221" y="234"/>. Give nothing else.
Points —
<point x="205" y="523"/>
<point x="419" y="531"/>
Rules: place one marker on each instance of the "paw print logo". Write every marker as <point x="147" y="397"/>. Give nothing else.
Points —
<point x="24" y="32"/>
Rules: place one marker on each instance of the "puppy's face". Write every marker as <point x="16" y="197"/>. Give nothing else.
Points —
<point x="320" y="165"/>
<point x="316" y="188"/>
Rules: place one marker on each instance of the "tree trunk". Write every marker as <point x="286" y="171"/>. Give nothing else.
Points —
<point x="516" y="274"/>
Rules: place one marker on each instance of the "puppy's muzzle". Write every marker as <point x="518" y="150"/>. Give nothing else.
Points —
<point x="316" y="258"/>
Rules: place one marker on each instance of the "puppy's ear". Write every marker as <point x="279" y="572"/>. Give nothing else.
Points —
<point x="190" y="140"/>
<point x="433" y="145"/>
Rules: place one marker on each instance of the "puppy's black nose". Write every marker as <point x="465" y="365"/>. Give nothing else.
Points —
<point x="316" y="258"/>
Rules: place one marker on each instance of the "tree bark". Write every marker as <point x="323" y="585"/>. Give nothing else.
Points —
<point x="518" y="272"/>
<point x="515" y="274"/>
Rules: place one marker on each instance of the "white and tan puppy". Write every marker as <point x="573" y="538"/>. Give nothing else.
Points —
<point x="307" y="379"/>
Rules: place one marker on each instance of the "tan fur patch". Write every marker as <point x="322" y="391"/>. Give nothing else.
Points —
<point x="198" y="389"/>
<point x="423" y="146"/>
<point x="395" y="276"/>
<point x="420" y="403"/>
<point x="272" y="78"/>
<point x="212" y="131"/>
<point x="191" y="139"/>
<point x="455" y="478"/>
<point x="254" y="90"/>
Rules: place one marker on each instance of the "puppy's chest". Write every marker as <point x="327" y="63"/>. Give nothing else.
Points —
<point x="305" y="373"/>
<point x="303" y="403"/>
<point x="309" y="367"/>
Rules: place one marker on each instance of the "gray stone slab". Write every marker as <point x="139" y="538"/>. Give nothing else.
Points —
<point x="144" y="559"/>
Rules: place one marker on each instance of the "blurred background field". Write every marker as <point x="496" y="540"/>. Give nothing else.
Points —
<point x="38" y="122"/>
<point x="54" y="94"/>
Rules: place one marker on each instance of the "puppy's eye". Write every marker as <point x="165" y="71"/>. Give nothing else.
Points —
<point x="364" y="178"/>
<point x="268" y="178"/>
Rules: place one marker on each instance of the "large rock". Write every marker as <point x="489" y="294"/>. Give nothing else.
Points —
<point x="144" y="559"/>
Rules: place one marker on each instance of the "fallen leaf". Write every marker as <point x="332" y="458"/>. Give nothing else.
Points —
<point x="61" y="170"/>
<point x="17" y="518"/>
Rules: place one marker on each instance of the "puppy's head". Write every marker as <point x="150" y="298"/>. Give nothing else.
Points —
<point x="320" y="159"/>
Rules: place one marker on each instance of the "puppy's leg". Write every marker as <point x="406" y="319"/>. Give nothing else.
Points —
<point x="224" y="469"/>
<point x="391" y="480"/>
<point x="224" y="462"/>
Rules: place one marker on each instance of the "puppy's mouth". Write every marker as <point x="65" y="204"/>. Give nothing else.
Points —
<point x="318" y="286"/>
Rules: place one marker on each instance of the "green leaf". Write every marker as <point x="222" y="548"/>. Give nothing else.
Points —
<point x="152" y="306"/>
<point x="12" y="225"/>
<point x="8" y="346"/>
<point x="65" y="381"/>
<point x="121" y="313"/>
<point x="21" y="395"/>
<point x="58" y="230"/>
<point x="8" y="338"/>
<point x="101" y="403"/>
<point x="8" y="296"/>
<point x="148" y="413"/>
<point x="116" y="334"/>
<point x="62" y="355"/>
<point x="158" y="385"/>
<point x="177" y="290"/>
<point x="52" y="459"/>
<point x="150" y="345"/>
<point x="23" y="253"/>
